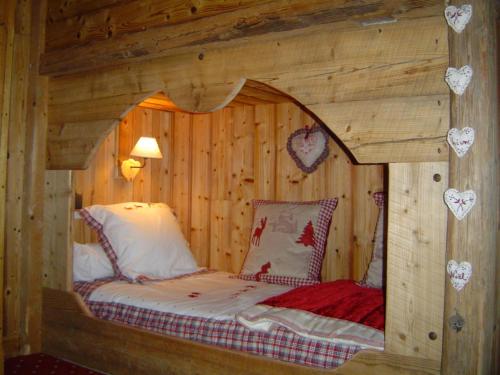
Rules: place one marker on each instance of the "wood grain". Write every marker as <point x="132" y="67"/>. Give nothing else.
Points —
<point x="227" y="159"/>
<point x="385" y="107"/>
<point x="138" y="30"/>
<point x="416" y="243"/>
<point x="58" y="254"/>
<point x="475" y="238"/>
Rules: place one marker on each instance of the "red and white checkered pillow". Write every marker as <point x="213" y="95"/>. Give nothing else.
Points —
<point x="374" y="276"/>
<point x="288" y="241"/>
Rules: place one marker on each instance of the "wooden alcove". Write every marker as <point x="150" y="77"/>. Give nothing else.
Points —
<point x="318" y="69"/>
<point x="371" y="73"/>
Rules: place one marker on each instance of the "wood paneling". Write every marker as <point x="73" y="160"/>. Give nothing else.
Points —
<point x="219" y="163"/>
<point x="475" y="238"/>
<point x="416" y="246"/>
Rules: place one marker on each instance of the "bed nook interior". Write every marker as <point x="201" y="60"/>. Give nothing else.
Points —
<point x="221" y="86"/>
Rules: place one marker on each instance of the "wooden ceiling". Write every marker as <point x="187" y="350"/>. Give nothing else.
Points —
<point x="252" y="93"/>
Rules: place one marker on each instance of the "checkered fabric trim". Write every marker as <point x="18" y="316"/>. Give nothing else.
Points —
<point x="279" y="344"/>
<point x="321" y="236"/>
<point x="103" y="240"/>
<point x="379" y="198"/>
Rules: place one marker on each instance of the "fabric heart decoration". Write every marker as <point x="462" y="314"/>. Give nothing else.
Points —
<point x="308" y="147"/>
<point x="459" y="79"/>
<point x="459" y="273"/>
<point x="460" y="203"/>
<point x="461" y="140"/>
<point x="458" y="18"/>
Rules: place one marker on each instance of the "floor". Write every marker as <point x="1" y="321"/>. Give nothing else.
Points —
<point x="45" y="365"/>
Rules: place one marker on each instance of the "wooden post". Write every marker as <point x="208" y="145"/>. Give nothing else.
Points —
<point x="473" y="239"/>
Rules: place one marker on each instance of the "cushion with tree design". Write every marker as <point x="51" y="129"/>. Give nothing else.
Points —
<point x="287" y="241"/>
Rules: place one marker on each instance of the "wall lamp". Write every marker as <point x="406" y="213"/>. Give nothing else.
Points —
<point x="147" y="148"/>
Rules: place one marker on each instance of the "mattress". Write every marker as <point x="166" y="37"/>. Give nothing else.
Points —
<point x="204" y="307"/>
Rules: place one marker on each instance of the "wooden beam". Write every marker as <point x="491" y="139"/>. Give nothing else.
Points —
<point x="6" y="66"/>
<point x="416" y="246"/>
<point x="34" y="180"/>
<point x="138" y="30"/>
<point x="474" y="239"/>
<point x="57" y="242"/>
<point x="388" y="107"/>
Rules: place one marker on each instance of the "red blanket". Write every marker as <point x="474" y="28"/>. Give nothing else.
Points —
<point x="341" y="299"/>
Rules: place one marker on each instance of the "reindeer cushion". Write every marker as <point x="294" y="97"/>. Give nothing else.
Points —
<point x="287" y="242"/>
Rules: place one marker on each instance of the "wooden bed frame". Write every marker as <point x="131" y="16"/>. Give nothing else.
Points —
<point x="70" y="331"/>
<point x="391" y="107"/>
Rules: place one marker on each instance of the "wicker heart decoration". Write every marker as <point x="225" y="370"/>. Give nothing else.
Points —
<point x="458" y="79"/>
<point x="458" y="18"/>
<point x="461" y="140"/>
<point x="460" y="273"/>
<point x="308" y="147"/>
<point x="460" y="203"/>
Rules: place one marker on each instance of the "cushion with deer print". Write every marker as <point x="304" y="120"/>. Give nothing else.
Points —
<point x="287" y="241"/>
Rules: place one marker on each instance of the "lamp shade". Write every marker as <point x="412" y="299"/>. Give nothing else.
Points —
<point x="146" y="147"/>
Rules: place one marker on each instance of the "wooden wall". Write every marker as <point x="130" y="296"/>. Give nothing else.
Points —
<point x="23" y="108"/>
<point x="215" y="164"/>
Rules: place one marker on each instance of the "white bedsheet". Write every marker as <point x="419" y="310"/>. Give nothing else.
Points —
<point x="266" y="318"/>
<point x="212" y="295"/>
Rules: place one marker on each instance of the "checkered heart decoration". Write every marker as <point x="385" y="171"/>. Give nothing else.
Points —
<point x="308" y="147"/>
<point x="460" y="140"/>
<point x="459" y="79"/>
<point x="459" y="273"/>
<point x="460" y="203"/>
<point x="458" y="18"/>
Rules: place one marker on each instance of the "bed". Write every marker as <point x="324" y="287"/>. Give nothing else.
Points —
<point x="217" y="308"/>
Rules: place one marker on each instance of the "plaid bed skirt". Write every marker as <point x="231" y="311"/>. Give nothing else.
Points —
<point x="279" y="344"/>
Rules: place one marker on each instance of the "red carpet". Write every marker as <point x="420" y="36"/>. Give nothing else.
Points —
<point x="43" y="364"/>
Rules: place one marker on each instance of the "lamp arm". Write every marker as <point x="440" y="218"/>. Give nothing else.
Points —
<point x="133" y="166"/>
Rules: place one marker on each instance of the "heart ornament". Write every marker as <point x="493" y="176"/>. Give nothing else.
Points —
<point x="461" y="140"/>
<point x="458" y="18"/>
<point x="459" y="79"/>
<point x="308" y="147"/>
<point x="459" y="273"/>
<point x="460" y="203"/>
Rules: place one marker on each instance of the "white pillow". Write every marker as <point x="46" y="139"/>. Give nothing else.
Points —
<point x="142" y="241"/>
<point x="90" y="262"/>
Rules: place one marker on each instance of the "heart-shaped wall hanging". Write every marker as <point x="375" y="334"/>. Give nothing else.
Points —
<point x="458" y="79"/>
<point x="460" y="203"/>
<point x="461" y="140"/>
<point x="458" y="18"/>
<point x="308" y="147"/>
<point x="459" y="273"/>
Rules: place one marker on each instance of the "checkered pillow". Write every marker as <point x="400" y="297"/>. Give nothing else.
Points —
<point x="288" y="241"/>
<point x="375" y="273"/>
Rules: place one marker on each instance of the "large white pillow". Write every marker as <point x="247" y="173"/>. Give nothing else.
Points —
<point x="90" y="262"/>
<point x="142" y="241"/>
